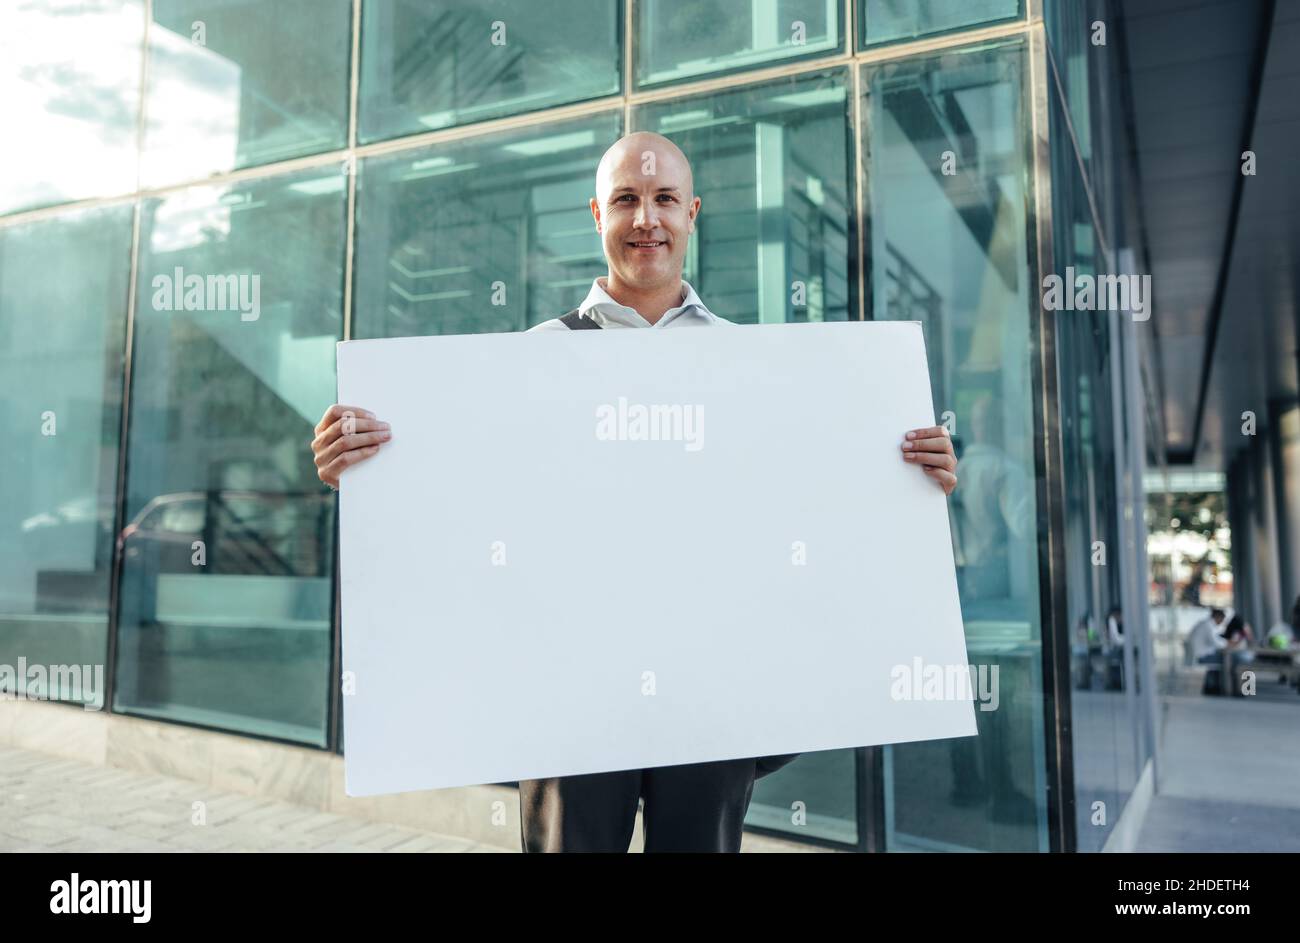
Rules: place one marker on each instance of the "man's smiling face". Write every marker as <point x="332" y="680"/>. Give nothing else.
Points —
<point x="645" y="210"/>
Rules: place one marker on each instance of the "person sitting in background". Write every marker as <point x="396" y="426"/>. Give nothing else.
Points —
<point x="1238" y="638"/>
<point x="1206" y="648"/>
<point x="1115" y="627"/>
<point x="1115" y="649"/>
<point x="1203" y="642"/>
<point x="1238" y="634"/>
<point x="1085" y="645"/>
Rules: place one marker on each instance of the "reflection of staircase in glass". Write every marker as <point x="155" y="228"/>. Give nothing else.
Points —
<point x="910" y="297"/>
<point x="564" y="251"/>
<point x="817" y="241"/>
<point x="295" y="369"/>
<point x="236" y="417"/>
<point x="418" y="279"/>
<point x="772" y="216"/>
<point x="725" y="273"/>
<point x="935" y="123"/>
<point x="440" y="283"/>
<point x="237" y="540"/>
<point x="289" y="347"/>
<point x="460" y="73"/>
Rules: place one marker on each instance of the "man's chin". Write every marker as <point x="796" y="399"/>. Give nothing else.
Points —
<point x="649" y="278"/>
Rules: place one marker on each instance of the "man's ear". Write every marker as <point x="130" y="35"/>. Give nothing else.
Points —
<point x="695" y="211"/>
<point x="595" y="213"/>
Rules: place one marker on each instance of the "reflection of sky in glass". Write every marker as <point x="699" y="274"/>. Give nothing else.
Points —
<point x="191" y="217"/>
<point x="238" y="83"/>
<point x="244" y="229"/>
<point x="69" y="81"/>
<point x="192" y="122"/>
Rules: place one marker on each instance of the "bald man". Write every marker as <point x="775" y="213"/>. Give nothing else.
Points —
<point x="644" y="209"/>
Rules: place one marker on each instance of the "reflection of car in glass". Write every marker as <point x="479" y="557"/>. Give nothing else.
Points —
<point x="64" y="557"/>
<point x="86" y="510"/>
<point x="251" y="608"/>
<point x="252" y="532"/>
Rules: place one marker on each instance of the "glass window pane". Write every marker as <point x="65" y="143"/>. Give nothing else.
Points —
<point x="1069" y="31"/>
<point x="947" y="169"/>
<point x="236" y="83"/>
<point x="70" y="83"/>
<point x="887" y="21"/>
<point x="824" y="785"/>
<point x="772" y="169"/>
<point x="678" y="41"/>
<point x="1103" y="725"/>
<point x="433" y="65"/>
<point x="227" y="554"/>
<point x="491" y="233"/>
<point x="61" y="391"/>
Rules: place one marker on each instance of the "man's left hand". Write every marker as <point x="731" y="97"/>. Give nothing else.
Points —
<point x="931" y="448"/>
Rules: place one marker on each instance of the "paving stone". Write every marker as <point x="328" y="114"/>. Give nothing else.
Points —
<point x="70" y="806"/>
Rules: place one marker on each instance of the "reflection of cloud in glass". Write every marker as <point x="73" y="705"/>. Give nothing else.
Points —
<point x="191" y="217"/>
<point x="70" y="83"/>
<point x="193" y="117"/>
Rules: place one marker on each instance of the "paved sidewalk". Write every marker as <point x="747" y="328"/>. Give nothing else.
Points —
<point x="52" y="804"/>
<point x="1229" y="767"/>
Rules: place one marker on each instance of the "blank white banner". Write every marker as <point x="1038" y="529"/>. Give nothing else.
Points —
<point x="610" y="550"/>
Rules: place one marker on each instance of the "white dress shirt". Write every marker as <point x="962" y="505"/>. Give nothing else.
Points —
<point x="608" y="313"/>
<point x="1204" y="639"/>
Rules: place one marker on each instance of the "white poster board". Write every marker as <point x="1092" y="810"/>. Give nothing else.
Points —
<point x="533" y="588"/>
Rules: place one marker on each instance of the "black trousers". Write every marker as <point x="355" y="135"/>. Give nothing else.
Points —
<point x="697" y="807"/>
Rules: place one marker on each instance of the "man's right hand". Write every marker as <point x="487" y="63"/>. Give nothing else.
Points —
<point x="345" y="435"/>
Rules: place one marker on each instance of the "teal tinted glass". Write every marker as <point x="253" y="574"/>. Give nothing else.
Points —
<point x="1071" y="34"/>
<point x="814" y="797"/>
<point x="432" y="65"/>
<point x="887" y="21"/>
<point x="70" y="84"/>
<point x="235" y="84"/>
<point x="679" y="41"/>
<point x="493" y="233"/>
<point x="772" y="168"/>
<point x="1102" y="677"/>
<point x="63" y="298"/>
<point x="227" y="553"/>
<point x="948" y="197"/>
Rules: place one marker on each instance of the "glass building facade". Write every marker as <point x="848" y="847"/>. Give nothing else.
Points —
<point x="379" y="168"/>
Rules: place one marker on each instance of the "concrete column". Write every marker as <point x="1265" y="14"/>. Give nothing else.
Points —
<point x="1264" y="534"/>
<point x="1284" y="450"/>
<point x="1237" y="492"/>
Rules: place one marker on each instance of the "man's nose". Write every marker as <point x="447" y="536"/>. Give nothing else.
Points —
<point x="647" y="216"/>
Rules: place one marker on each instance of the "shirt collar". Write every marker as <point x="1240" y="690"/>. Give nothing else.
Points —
<point x="605" y="306"/>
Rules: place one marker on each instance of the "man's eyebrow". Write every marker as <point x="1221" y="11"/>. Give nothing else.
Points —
<point x="658" y="190"/>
